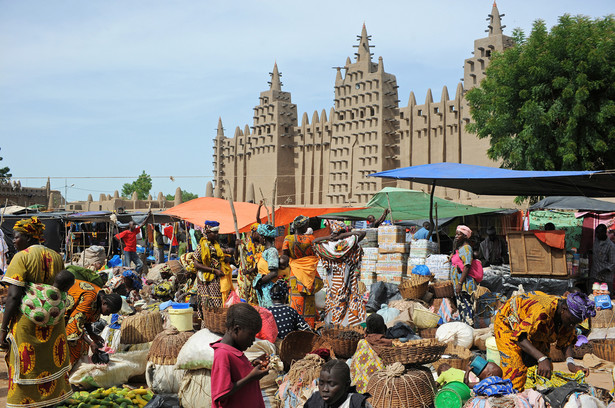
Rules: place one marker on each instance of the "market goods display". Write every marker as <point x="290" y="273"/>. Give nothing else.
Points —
<point x="141" y="328"/>
<point x="396" y="386"/>
<point x="112" y="397"/>
<point x="412" y="352"/>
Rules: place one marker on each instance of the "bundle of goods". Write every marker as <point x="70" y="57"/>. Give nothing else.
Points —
<point x="412" y="352"/>
<point x="456" y="333"/>
<point x="580" y="351"/>
<point x="296" y="345"/>
<point x="300" y="382"/>
<point x="268" y="384"/>
<point x="111" y="397"/>
<point x="391" y="267"/>
<point x="393" y="248"/>
<point x="121" y="367"/>
<point x="396" y="386"/>
<point x="368" y="265"/>
<point x="439" y="266"/>
<point x="604" y="348"/>
<point x="196" y="352"/>
<point x="371" y="238"/>
<point x="455" y="356"/>
<point x="391" y="234"/>
<point x="160" y="373"/>
<point x="343" y="340"/>
<point x="422" y="248"/>
<point x="214" y="319"/>
<point x="444" y="289"/>
<point x="195" y="389"/>
<point x="141" y="328"/>
<point x="93" y="255"/>
<point x="604" y="318"/>
<point x="414" y="288"/>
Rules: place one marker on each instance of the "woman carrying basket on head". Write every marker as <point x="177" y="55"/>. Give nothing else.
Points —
<point x="304" y="278"/>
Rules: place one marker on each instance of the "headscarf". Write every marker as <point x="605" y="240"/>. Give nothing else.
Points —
<point x="337" y="226"/>
<point x="267" y="230"/>
<point x="464" y="230"/>
<point x="300" y="221"/>
<point x="279" y="290"/>
<point x="32" y="226"/>
<point x="136" y="280"/>
<point x="213" y="226"/>
<point x="254" y="226"/>
<point x="580" y="306"/>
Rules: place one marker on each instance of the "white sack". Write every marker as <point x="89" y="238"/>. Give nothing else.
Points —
<point x="458" y="333"/>
<point x="196" y="352"/>
<point x="163" y="379"/>
<point x="195" y="389"/>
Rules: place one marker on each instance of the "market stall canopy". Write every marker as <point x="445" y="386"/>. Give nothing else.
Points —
<point x="201" y="209"/>
<point x="573" y="203"/>
<point x="495" y="181"/>
<point x="408" y="205"/>
<point x="286" y="215"/>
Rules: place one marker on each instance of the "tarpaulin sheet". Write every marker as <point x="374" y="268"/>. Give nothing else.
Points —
<point x="573" y="203"/>
<point x="286" y="215"/>
<point x="505" y="182"/>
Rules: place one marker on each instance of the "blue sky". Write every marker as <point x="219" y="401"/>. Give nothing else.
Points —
<point x="110" y="88"/>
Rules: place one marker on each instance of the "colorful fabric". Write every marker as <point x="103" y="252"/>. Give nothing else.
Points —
<point x="494" y="386"/>
<point x="245" y="277"/>
<point x="304" y="278"/>
<point x="37" y="358"/>
<point x="302" y="301"/>
<point x="282" y="293"/>
<point x="287" y="319"/>
<point x="43" y="304"/>
<point x="337" y="226"/>
<point x="31" y="226"/>
<point x="298" y="245"/>
<point x="83" y="309"/>
<point x="136" y="280"/>
<point x="530" y="315"/>
<point x="267" y="230"/>
<point x="580" y="306"/>
<point x="365" y="362"/>
<point x="466" y="256"/>
<point x="213" y="226"/>
<point x="268" y="261"/>
<point x="554" y="239"/>
<point x="129" y="238"/>
<point x="209" y="294"/>
<point x="211" y="255"/>
<point x="300" y="221"/>
<point x="558" y="378"/>
<point x="464" y="230"/>
<point x="163" y="289"/>
<point x="342" y="261"/>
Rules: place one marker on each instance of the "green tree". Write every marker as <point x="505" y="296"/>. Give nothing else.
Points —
<point x="4" y="173"/>
<point x="142" y="185"/>
<point x="548" y="103"/>
<point x="186" y="196"/>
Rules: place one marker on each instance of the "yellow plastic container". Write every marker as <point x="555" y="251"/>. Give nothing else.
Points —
<point x="181" y="318"/>
<point x="492" y="350"/>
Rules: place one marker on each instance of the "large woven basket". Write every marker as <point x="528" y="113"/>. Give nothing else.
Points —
<point x="343" y="340"/>
<point x="604" y="318"/>
<point x="428" y="333"/>
<point x="214" y="319"/>
<point x="166" y="346"/>
<point x="459" y="357"/>
<point x="604" y="348"/>
<point x="298" y="344"/>
<point x="393" y="387"/>
<point x="444" y="289"/>
<point x="413" y="289"/>
<point x="141" y="328"/>
<point x="413" y="352"/>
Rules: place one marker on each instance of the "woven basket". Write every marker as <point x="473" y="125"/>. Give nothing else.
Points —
<point x="343" y="347"/>
<point x="556" y="355"/>
<point x="214" y="319"/>
<point x="413" y="289"/>
<point x="413" y="352"/>
<point x="424" y="319"/>
<point x="604" y="318"/>
<point x="414" y="388"/>
<point x="141" y="328"/>
<point x="166" y="345"/>
<point x="428" y="333"/>
<point x="298" y="344"/>
<point x="579" y="352"/>
<point x="604" y="348"/>
<point x="419" y="278"/>
<point x="464" y="356"/>
<point x="444" y="289"/>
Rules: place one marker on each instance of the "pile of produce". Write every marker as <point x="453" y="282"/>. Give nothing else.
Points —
<point x="111" y="397"/>
<point x="348" y="335"/>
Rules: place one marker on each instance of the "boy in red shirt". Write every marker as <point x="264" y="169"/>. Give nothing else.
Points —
<point x="129" y="238"/>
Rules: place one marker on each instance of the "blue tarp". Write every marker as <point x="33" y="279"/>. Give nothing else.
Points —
<point x="496" y="181"/>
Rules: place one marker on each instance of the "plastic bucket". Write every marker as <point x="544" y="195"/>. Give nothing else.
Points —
<point x="181" y="319"/>
<point x="452" y="395"/>
<point x="492" y="350"/>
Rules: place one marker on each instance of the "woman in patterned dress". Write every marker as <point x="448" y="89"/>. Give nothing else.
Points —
<point x="465" y="285"/>
<point x="304" y="278"/>
<point x="247" y="272"/>
<point x="37" y="356"/>
<point x="341" y="255"/>
<point x="87" y="302"/>
<point x="267" y="264"/>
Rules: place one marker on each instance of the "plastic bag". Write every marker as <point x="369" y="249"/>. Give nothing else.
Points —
<point x="196" y="352"/>
<point x="457" y="333"/>
<point x="232" y="299"/>
<point x="163" y="401"/>
<point x="421" y="270"/>
<point x="269" y="330"/>
<point x="388" y="313"/>
<point x="382" y="293"/>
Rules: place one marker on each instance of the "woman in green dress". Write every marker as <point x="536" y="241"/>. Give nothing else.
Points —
<point x="37" y="356"/>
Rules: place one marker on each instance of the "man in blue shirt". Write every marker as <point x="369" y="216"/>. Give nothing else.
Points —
<point x="423" y="233"/>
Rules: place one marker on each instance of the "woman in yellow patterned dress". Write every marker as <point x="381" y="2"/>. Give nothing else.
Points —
<point x="526" y="326"/>
<point x="37" y="356"/>
<point x="87" y="303"/>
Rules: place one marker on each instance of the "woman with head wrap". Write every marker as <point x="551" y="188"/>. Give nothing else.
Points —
<point x="267" y="263"/>
<point x="526" y="326"/>
<point x="127" y="284"/>
<point x="250" y="246"/>
<point x="214" y="277"/>
<point x="304" y="278"/>
<point x="37" y="356"/>
<point x="286" y="318"/>
<point x="340" y="254"/>
<point x="87" y="303"/>
<point x="465" y="285"/>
